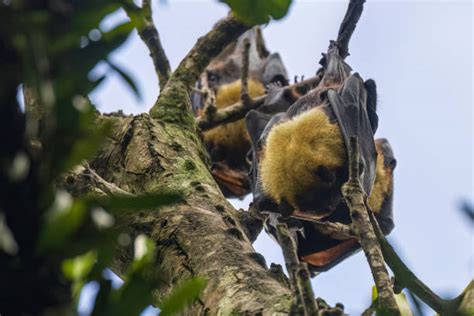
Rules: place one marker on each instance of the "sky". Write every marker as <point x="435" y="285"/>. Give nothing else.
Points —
<point x="421" y="56"/>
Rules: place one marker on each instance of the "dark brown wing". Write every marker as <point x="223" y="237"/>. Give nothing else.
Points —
<point x="350" y="107"/>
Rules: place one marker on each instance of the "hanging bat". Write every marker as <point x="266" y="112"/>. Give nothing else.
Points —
<point x="229" y="143"/>
<point x="302" y="153"/>
<point x="300" y="156"/>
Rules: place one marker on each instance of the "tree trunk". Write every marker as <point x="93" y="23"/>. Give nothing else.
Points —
<point x="203" y="234"/>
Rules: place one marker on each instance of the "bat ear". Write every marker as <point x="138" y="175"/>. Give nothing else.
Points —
<point x="371" y="89"/>
<point x="274" y="71"/>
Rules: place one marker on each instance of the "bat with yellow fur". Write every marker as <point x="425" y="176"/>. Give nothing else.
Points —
<point x="228" y="144"/>
<point x="300" y="160"/>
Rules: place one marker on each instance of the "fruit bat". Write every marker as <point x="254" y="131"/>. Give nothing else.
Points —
<point x="302" y="153"/>
<point x="229" y="143"/>
<point x="300" y="158"/>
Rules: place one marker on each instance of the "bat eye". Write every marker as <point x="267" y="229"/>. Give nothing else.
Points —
<point x="212" y="77"/>
<point x="326" y="175"/>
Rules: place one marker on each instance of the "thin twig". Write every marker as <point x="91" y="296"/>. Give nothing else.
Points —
<point x="143" y="19"/>
<point x="298" y="271"/>
<point x="245" y="99"/>
<point x="35" y="115"/>
<point x="335" y="230"/>
<point x="369" y="311"/>
<point x="209" y="98"/>
<point x="407" y="279"/>
<point x="238" y="110"/>
<point x="355" y="198"/>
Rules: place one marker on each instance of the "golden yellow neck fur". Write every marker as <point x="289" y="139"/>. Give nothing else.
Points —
<point x="295" y="149"/>
<point x="383" y="184"/>
<point x="232" y="135"/>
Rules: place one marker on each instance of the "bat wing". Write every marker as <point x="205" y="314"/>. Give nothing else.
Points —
<point x="233" y="183"/>
<point x="259" y="125"/>
<point x="371" y="89"/>
<point x="349" y="106"/>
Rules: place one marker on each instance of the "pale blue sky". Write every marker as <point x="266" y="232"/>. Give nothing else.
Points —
<point x="420" y="54"/>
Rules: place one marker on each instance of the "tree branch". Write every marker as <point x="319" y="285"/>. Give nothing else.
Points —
<point x="238" y="110"/>
<point x="335" y="230"/>
<point x="83" y="180"/>
<point x="245" y="99"/>
<point x="261" y="48"/>
<point x="143" y="19"/>
<point x="35" y="115"/>
<point x="355" y="198"/>
<point x="405" y="278"/>
<point x="298" y="271"/>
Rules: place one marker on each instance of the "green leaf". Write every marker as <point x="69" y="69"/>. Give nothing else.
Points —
<point x="258" y="11"/>
<point x="136" y="293"/>
<point x="141" y="202"/>
<point x="182" y="296"/>
<point x="102" y="301"/>
<point x="144" y="253"/>
<point x="87" y="16"/>
<point x="7" y="241"/>
<point x="86" y="145"/>
<point x="76" y="136"/>
<point x="126" y="77"/>
<point x="403" y="305"/>
<point x="81" y="62"/>
<point x="134" y="296"/>
<point x="401" y="300"/>
<point x="78" y="268"/>
<point x="374" y="293"/>
<point x="63" y="219"/>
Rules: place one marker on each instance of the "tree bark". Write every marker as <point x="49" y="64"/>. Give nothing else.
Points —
<point x="200" y="236"/>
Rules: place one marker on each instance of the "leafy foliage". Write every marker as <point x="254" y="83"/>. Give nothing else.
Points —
<point x="51" y="243"/>
<point x="255" y="12"/>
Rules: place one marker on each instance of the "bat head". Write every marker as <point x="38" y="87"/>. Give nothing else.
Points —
<point x="304" y="162"/>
